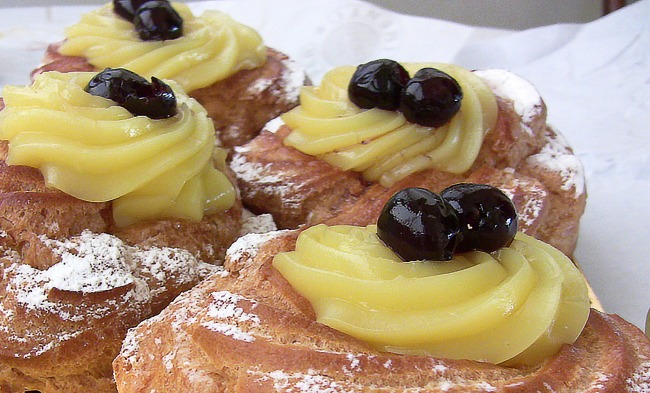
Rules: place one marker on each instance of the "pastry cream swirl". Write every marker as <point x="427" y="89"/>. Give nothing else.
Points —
<point x="95" y="150"/>
<point x="213" y="47"/>
<point x="382" y="144"/>
<point x="517" y="305"/>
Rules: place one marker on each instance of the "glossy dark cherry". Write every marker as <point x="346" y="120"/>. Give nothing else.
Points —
<point x="126" y="8"/>
<point x="431" y="98"/>
<point x="417" y="224"/>
<point x="487" y="216"/>
<point x="378" y="84"/>
<point x="156" y="20"/>
<point x="155" y="100"/>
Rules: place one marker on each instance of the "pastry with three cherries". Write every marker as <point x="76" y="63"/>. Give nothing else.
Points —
<point x="113" y="201"/>
<point x="424" y="300"/>
<point x="366" y="132"/>
<point x="220" y="62"/>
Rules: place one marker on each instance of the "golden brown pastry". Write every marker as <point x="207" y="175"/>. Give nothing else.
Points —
<point x="519" y="153"/>
<point x="242" y="83"/>
<point x="76" y="274"/>
<point x="247" y="329"/>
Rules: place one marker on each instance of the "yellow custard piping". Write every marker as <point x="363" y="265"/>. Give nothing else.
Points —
<point x="517" y="305"/>
<point x="213" y="47"/>
<point x="382" y="144"/>
<point x="97" y="151"/>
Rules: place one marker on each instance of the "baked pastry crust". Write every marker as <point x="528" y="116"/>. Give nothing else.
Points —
<point x="246" y="329"/>
<point x="72" y="283"/>
<point x="239" y="105"/>
<point x="521" y="155"/>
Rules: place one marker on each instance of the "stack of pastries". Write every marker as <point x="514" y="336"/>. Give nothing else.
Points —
<point x="127" y="178"/>
<point x="305" y="177"/>
<point x="220" y="62"/>
<point x="105" y="220"/>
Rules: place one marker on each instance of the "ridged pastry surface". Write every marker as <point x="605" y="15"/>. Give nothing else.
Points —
<point x="246" y="329"/>
<point x="522" y="155"/>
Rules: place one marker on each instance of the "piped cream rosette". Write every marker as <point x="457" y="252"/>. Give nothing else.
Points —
<point x="213" y="46"/>
<point x="517" y="305"/>
<point x="91" y="148"/>
<point x="382" y="144"/>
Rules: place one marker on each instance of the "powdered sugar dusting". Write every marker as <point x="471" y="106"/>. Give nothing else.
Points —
<point x="166" y="264"/>
<point x="252" y="171"/>
<point x="557" y="157"/>
<point x="274" y="125"/>
<point x="224" y="308"/>
<point x="528" y="213"/>
<point x="525" y="98"/>
<point x="248" y="245"/>
<point x="86" y="264"/>
<point x="354" y="364"/>
<point x="187" y="306"/>
<point x="640" y="380"/>
<point x="309" y="382"/>
<point x="257" y="223"/>
<point x="486" y="387"/>
<point x="320" y="381"/>
<point x="92" y="263"/>
<point x="259" y="86"/>
<point x="262" y="176"/>
<point x="287" y="88"/>
<point x="600" y="379"/>
<point x="293" y="78"/>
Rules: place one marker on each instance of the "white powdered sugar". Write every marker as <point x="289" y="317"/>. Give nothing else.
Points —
<point x="600" y="379"/>
<point x="92" y="263"/>
<point x="486" y="387"/>
<point x="293" y="78"/>
<point x="257" y="223"/>
<point x="640" y="380"/>
<point x="313" y="381"/>
<point x="248" y="245"/>
<point x="88" y="264"/>
<point x="259" y="86"/>
<point x="274" y="125"/>
<point x="180" y="316"/>
<point x="354" y="364"/>
<point x="525" y="98"/>
<point x="530" y="211"/>
<point x="168" y="361"/>
<point x="263" y="177"/>
<point x="170" y="264"/>
<point x="309" y="382"/>
<point x="557" y="157"/>
<point x="224" y="308"/>
<point x="288" y="88"/>
<point x="83" y="265"/>
<point x="252" y="171"/>
<point x="446" y="386"/>
<point x="439" y="368"/>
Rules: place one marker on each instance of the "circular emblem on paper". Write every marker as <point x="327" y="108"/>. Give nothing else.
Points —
<point x="349" y="36"/>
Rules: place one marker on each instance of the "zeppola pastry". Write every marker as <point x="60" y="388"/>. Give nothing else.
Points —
<point x="366" y="132"/>
<point x="113" y="200"/>
<point x="221" y="63"/>
<point x="339" y="309"/>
